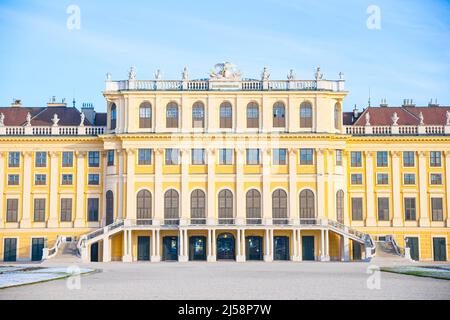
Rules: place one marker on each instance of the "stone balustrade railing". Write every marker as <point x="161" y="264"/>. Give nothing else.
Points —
<point x="51" y="131"/>
<point x="243" y="85"/>
<point x="397" y="130"/>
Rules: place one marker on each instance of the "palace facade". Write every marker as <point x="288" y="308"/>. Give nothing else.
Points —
<point x="224" y="168"/>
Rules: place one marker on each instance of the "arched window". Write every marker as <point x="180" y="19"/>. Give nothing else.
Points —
<point x="113" y="121"/>
<point x="198" y="115"/>
<point x="172" y="115"/>
<point x="226" y="115"/>
<point x="109" y="207"/>
<point x="305" y="115"/>
<point x="340" y="206"/>
<point x="279" y="115"/>
<point x="171" y="207"/>
<point x="145" y="115"/>
<point x="252" y="115"/>
<point x="226" y="207"/>
<point x="307" y="210"/>
<point x="279" y="207"/>
<point x="253" y="207"/>
<point x="144" y="207"/>
<point x="198" y="206"/>
<point x="337" y="116"/>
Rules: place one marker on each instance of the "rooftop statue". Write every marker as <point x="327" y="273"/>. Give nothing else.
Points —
<point x="28" y="120"/>
<point x="82" y="116"/>
<point x="185" y="74"/>
<point x="158" y="75"/>
<point x="225" y="71"/>
<point x="421" y="118"/>
<point x="265" y="75"/>
<point x="2" y="120"/>
<point x="318" y="74"/>
<point x="132" y="74"/>
<point x="448" y="118"/>
<point x="55" y="120"/>
<point x="395" y="119"/>
<point x="291" y="75"/>
<point x="367" y="119"/>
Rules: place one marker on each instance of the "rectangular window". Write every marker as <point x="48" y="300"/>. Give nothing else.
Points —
<point x="12" y="209"/>
<point x="172" y="157"/>
<point x="382" y="178"/>
<point x="435" y="159"/>
<point x="306" y="157"/>
<point x="198" y="156"/>
<point x="410" y="209"/>
<point x="145" y="157"/>
<point x="13" y="179"/>
<point x="67" y="159"/>
<point x="356" y="178"/>
<point x="253" y="157"/>
<point x="436" y="179"/>
<point x="14" y="159"/>
<point x="40" y="160"/>
<point x="382" y="159"/>
<point x="339" y="157"/>
<point x="39" y="210"/>
<point x="409" y="179"/>
<point x="357" y="209"/>
<point x="437" y="209"/>
<point x="94" y="159"/>
<point x="67" y="180"/>
<point x="226" y="156"/>
<point x="110" y="156"/>
<point x="66" y="210"/>
<point x="355" y="159"/>
<point x="40" y="179"/>
<point x="383" y="209"/>
<point x="92" y="209"/>
<point x="93" y="179"/>
<point x="279" y="157"/>
<point x="408" y="158"/>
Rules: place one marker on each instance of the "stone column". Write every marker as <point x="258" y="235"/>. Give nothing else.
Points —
<point x="447" y="182"/>
<point x="239" y="257"/>
<point x="2" y="182"/>
<point x="211" y="213"/>
<point x="25" y="222"/>
<point x="320" y="199"/>
<point x="243" y="245"/>
<point x="327" y="245"/>
<point x="240" y="196"/>
<point x="81" y="176"/>
<point x="423" y="186"/>
<point x="182" y="257"/>
<point x="396" y="176"/>
<point x="293" y="211"/>
<point x="185" y="199"/>
<point x="131" y="199"/>
<point x="53" y="199"/>
<point x="345" y="243"/>
<point x="322" y="245"/>
<point x="106" y="249"/>
<point x="104" y="173"/>
<point x="370" y="195"/>
<point x="158" y="192"/>
<point x="266" y="193"/>
<point x="119" y="195"/>
<point x="300" y="248"/>
<point x="267" y="252"/>
<point x="294" y="256"/>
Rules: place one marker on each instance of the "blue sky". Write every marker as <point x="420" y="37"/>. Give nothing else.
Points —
<point x="409" y="57"/>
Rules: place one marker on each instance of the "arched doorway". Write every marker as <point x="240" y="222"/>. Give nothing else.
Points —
<point x="170" y="248"/>
<point x="109" y="207"/>
<point x="253" y="248"/>
<point x="197" y="248"/>
<point x="226" y="247"/>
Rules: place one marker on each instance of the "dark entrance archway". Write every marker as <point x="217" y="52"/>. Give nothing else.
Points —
<point x="170" y="248"/>
<point x="281" y="248"/>
<point x="253" y="248"/>
<point x="197" y="248"/>
<point x="226" y="247"/>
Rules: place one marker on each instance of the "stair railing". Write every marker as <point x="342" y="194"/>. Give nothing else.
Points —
<point x="48" y="253"/>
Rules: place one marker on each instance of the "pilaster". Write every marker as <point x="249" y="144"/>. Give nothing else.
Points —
<point x="81" y="176"/>
<point x="424" y="219"/>
<point x="370" y="195"/>
<point x="25" y="222"/>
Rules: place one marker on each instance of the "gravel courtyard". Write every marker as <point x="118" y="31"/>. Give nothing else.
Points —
<point x="228" y="280"/>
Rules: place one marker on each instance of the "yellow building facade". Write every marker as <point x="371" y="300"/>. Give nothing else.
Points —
<point x="224" y="168"/>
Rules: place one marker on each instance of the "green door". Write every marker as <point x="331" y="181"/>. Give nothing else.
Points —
<point x="439" y="249"/>
<point x="281" y="248"/>
<point x="308" y="248"/>
<point x="143" y="248"/>
<point x="9" y="249"/>
<point x="413" y="244"/>
<point x="170" y="248"/>
<point x="94" y="252"/>
<point x="197" y="248"/>
<point x="37" y="245"/>
<point x="253" y="248"/>
<point x="357" y="250"/>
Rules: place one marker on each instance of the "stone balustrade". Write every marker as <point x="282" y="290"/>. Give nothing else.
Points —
<point x="398" y="130"/>
<point x="51" y="131"/>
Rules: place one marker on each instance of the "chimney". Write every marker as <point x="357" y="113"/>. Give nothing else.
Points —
<point x="355" y="112"/>
<point x="431" y="104"/>
<point x="383" y="103"/>
<point x="53" y="103"/>
<point x="408" y="103"/>
<point x="89" y="112"/>
<point x="16" y="103"/>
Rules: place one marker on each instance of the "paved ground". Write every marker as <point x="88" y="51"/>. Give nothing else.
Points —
<point x="228" y="280"/>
